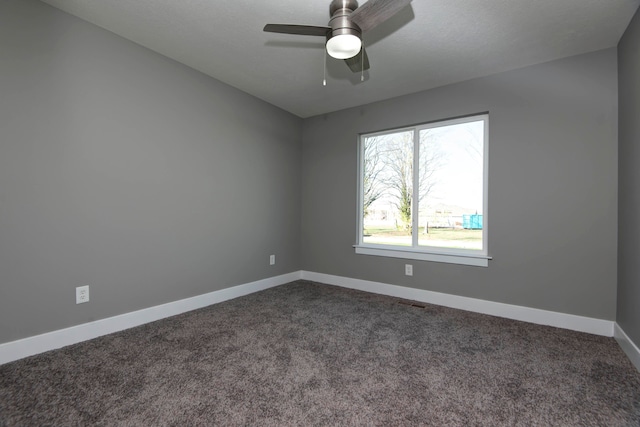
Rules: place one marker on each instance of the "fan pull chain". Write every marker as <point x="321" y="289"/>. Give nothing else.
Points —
<point x="362" y="62"/>
<point x="324" y="77"/>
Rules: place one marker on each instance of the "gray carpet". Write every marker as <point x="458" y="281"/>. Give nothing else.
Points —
<point x="311" y="354"/>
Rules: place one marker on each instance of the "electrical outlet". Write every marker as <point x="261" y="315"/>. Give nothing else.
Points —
<point x="272" y="260"/>
<point x="408" y="270"/>
<point x="82" y="294"/>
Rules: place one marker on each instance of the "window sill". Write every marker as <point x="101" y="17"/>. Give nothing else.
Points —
<point x="407" y="253"/>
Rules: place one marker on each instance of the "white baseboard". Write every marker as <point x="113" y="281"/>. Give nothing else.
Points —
<point x="629" y="347"/>
<point x="52" y="340"/>
<point x="515" y="312"/>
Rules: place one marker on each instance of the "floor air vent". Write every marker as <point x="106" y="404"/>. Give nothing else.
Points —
<point x="412" y="304"/>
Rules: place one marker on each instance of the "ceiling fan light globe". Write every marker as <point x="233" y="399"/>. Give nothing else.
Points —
<point x="344" y="46"/>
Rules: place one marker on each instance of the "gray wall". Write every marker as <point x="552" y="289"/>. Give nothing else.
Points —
<point x="552" y="187"/>
<point x="629" y="182"/>
<point x="129" y="172"/>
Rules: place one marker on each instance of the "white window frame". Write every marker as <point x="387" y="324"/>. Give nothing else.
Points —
<point x="471" y="257"/>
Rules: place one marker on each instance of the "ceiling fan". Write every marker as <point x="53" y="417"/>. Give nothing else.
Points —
<point x="345" y="28"/>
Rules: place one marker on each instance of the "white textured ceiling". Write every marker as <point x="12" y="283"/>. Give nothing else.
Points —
<point x="430" y="43"/>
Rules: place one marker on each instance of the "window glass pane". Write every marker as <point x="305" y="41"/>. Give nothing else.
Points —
<point x="451" y="182"/>
<point x="387" y="188"/>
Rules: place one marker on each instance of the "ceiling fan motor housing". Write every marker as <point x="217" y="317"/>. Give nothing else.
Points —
<point x="340" y="22"/>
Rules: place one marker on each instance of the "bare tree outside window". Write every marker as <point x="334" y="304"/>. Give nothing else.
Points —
<point x="398" y="177"/>
<point x="387" y="184"/>
<point x="373" y="188"/>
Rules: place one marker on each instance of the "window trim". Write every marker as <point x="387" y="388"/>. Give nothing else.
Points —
<point x="471" y="257"/>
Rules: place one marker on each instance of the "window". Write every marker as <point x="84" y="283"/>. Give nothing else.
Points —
<point x="423" y="192"/>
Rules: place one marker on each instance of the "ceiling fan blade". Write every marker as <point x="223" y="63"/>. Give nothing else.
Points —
<point x="355" y="63"/>
<point x="304" y="30"/>
<point x="375" y="12"/>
